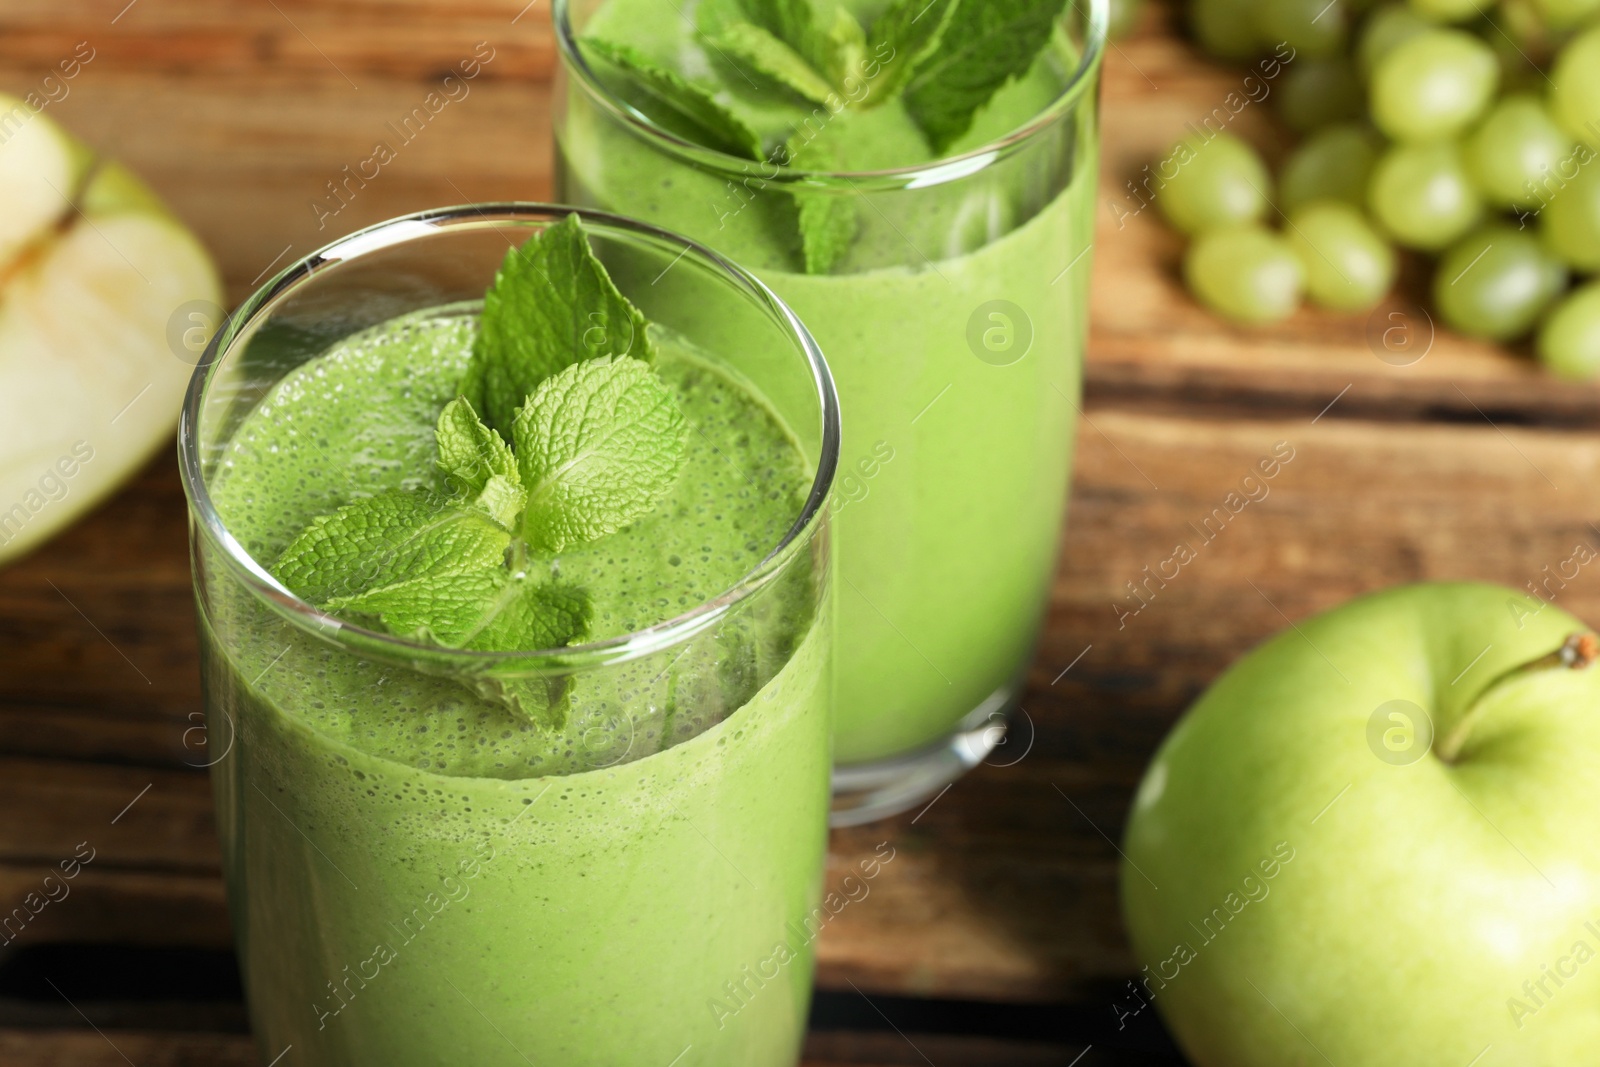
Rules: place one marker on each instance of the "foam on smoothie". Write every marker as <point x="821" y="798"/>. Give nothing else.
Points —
<point x="360" y="419"/>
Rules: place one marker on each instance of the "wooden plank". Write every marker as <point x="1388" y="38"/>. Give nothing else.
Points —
<point x="247" y="161"/>
<point x="345" y="40"/>
<point x="116" y="1048"/>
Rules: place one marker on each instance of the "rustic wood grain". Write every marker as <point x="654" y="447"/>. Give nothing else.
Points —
<point x="117" y="1048"/>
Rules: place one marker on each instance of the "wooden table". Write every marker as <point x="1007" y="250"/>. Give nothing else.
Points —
<point x="994" y="937"/>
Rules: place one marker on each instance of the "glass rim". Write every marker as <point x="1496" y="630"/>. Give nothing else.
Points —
<point x="638" y="643"/>
<point x="937" y="172"/>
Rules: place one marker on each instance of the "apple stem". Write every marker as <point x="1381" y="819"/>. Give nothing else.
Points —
<point x="1577" y="652"/>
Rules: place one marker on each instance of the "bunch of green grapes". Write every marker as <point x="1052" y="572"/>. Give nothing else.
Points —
<point x="1463" y="130"/>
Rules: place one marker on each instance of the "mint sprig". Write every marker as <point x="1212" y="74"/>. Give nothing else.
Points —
<point x="598" y="445"/>
<point x="829" y="219"/>
<point x="763" y="53"/>
<point x="552" y="304"/>
<point x="795" y="23"/>
<point x="904" y="36"/>
<point x="670" y="100"/>
<point x="945" y="58"/>
<point x="477" y="463"/>
<point x="982" y="46"/>
<point x="597" y="441"/>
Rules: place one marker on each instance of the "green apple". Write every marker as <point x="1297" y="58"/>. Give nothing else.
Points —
<point x="93" y="272"/>
<point x="1376" y="840"/>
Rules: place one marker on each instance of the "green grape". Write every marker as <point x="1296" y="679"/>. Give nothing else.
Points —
<point x="1316" y="92"/>
<point x="1494" y="282"/>
<point x="1570" y="222"/>
<point x="1334" y="163"/>
<point x="1387" y="28"/>
<point x="1516" y="148"/>
<point x="1218" y="182"/>
<point x="1446" y="10"/>
<point x="1422" y="196"/>
<point x="1313" y="28"/>
<point x="1348" y="266"/>
<point x="1575" y="97"/>
<point x="1433" y="86"/>
<point x="1569" y="340"/>
<point x="1244" y="273"/>
<point x="1226" y="28"/>
<point x="1124" y="17"/>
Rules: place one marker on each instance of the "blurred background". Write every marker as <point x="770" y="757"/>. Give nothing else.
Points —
<point x="993" y="937"/>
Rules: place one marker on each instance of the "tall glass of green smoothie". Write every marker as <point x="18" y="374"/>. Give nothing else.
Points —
<point x="510" y="538"/>
<point x="915" y="178"/>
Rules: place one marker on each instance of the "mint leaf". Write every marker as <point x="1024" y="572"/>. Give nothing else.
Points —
<point x="430" y="570"/>
<point x="598" y="445"/>
<point x="832" y="43"/>
<point x="985" y="43"/>
<point x="906" y="34"/>
<point x="526" y="614"/>
<point x="444" y="608"/>
<point x="552" y="305"/>
<point x="672" y="101"/>
<point x="765" y="54"/>
<point x="477" y="463"/>
<point x="374" y="555"/>
<point x="844" y="56"/>
<point x="795" y="23"/>
<point x="828" y="220"/>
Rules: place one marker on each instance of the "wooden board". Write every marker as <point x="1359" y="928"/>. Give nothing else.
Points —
<point x="1467" y="463"/>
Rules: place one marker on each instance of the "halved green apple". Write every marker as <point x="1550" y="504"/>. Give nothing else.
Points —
<point x="93" y="269"/>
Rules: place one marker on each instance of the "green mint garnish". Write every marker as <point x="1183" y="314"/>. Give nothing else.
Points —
<point x="598" y="445"/>
<point x="760" y="51"/>
<point x="905" y="35"/>
<point x="552" y="304"/>
<point x="946" y="58"/>
<point x="597" y="441"/>
<point x="795" y="23"/>
<point x="672" y="101"/>
<point x="478" y="463"/>
<point x="984" y="44"/>
<point x="387" y="540"/>
<point x="844" y="49"/>
<point x="828" y="220"/>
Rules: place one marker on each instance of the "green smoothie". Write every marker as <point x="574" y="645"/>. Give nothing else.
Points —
<point x="419" y="874"/>
<point x="954" y="322"/>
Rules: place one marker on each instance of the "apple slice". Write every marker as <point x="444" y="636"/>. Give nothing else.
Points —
<point x="39" y="170"/>
<point x="89" y="382"/>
